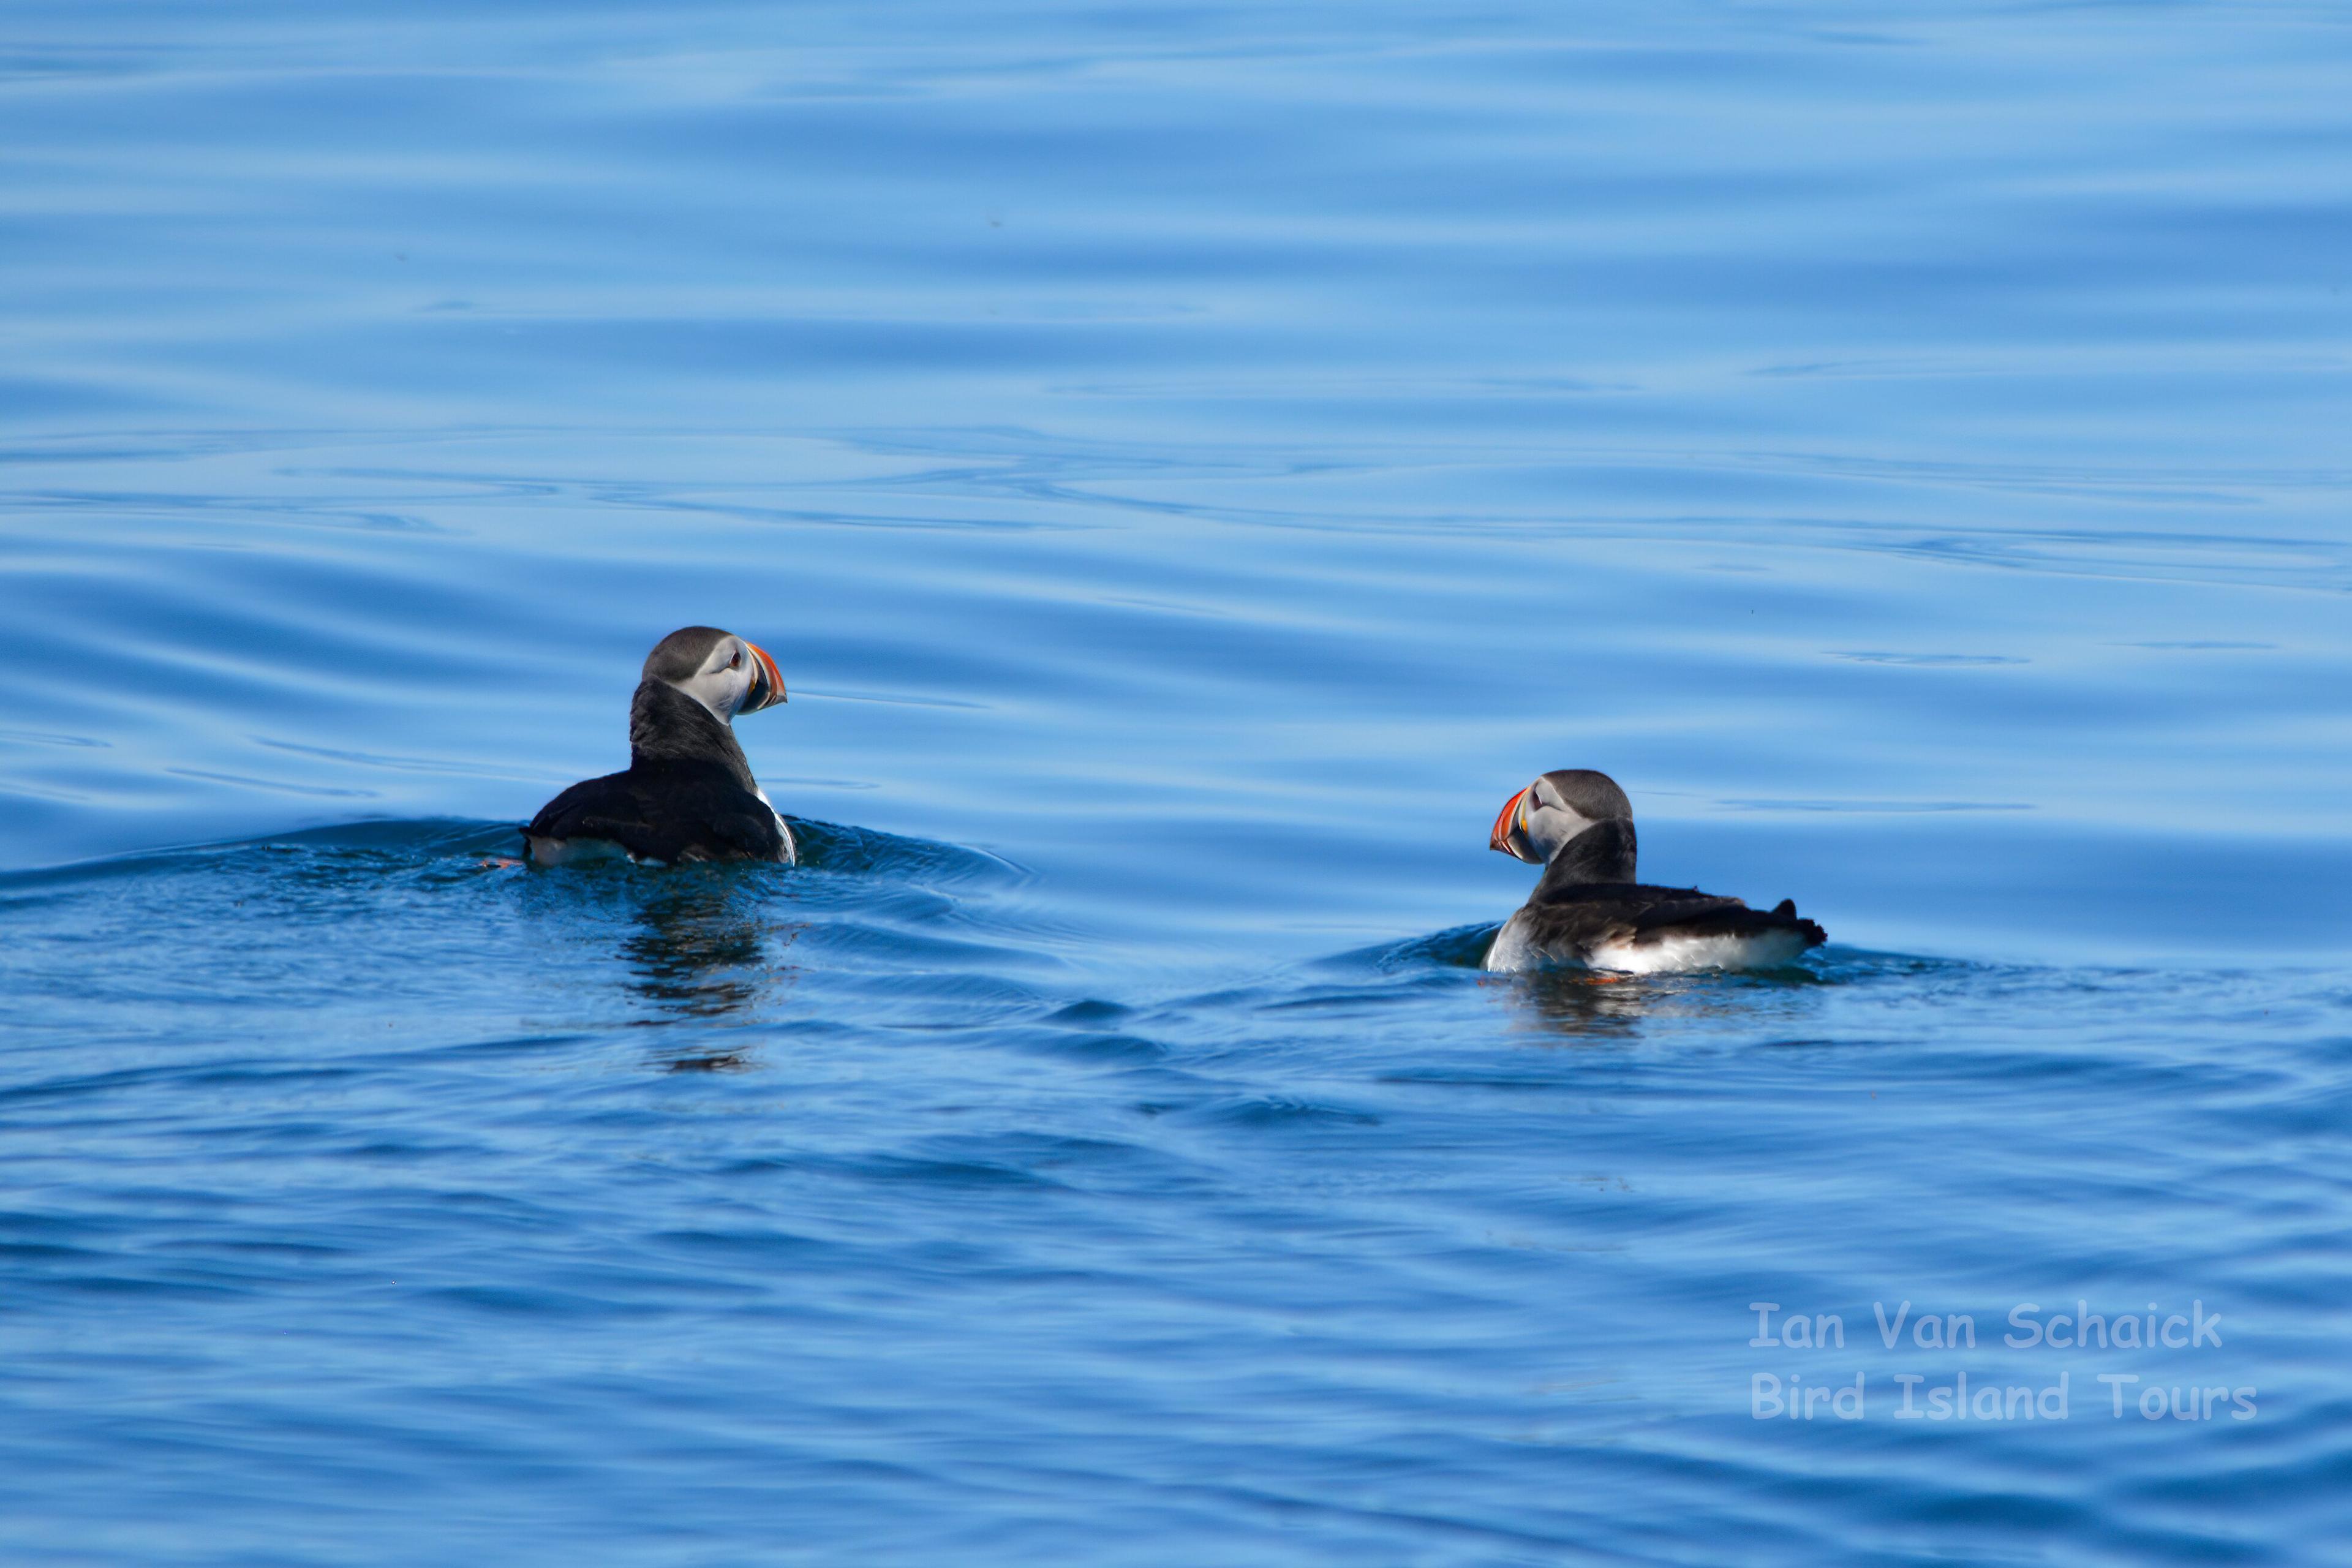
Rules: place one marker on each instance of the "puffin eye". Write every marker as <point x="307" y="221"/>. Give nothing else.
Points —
<point x="737" y="662"/>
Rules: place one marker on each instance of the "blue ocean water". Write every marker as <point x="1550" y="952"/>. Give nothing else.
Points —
<point x="1191" y="464"/>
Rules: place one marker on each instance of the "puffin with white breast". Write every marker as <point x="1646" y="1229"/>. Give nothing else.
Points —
<point x="1588" y="909"/>
<point x="687" y="793"/>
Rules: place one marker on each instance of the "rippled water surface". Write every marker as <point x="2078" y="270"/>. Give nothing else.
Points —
<point x="1191" y="465"/>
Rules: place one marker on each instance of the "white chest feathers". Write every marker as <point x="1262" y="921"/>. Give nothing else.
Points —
<point x="783" y="829"/>
<point x="1667" y="953"/>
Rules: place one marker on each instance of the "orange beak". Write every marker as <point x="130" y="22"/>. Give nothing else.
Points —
<point x="1506" y="824"/>
<point x="767" y="681"/>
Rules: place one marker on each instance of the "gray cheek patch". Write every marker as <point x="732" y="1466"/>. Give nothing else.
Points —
<point x="1549" y="827"/>
<point x="714" y="690"/>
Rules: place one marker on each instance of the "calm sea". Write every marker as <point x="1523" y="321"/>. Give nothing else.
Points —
<point x="1191" y="464"/>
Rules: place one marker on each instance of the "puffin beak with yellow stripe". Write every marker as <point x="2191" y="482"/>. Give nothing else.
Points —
<point x="767" y="682"/>
<point x="772" y="682"/>
<point x="687" y="793"/>
<point x="1510" y="834"/>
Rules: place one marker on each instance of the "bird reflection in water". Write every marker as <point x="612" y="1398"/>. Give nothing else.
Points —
<point x="1577" y="1002"/>
<point x="706" y="953"/>
<point x="1590" y="1004"/>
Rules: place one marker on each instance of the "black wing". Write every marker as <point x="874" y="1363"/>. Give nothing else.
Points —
<point x="1726" y="916"/>
<point x="1582" y="917"/>
<point x="669" y="814"/>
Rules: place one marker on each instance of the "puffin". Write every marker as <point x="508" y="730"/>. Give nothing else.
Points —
<point x="687" y="793"/>
<point x="1589" y="909"/>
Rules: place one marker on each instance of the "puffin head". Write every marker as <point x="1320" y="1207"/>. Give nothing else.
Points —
<point x="1537" y="823"/>
<point x="717" y="670"/>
